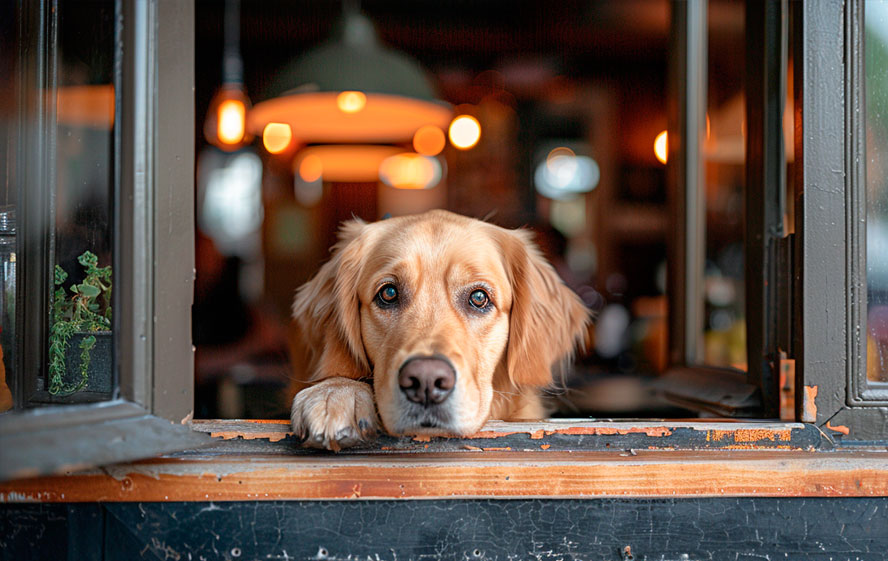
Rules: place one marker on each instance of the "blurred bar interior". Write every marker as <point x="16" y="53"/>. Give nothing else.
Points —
<point x="549" y="115"/>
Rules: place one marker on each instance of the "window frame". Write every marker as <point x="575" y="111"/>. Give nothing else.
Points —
<point x="153" y="251"/>
<point x="831" y="243"/>
<point x="155" y="232"/>
<point x="689" y="382"/>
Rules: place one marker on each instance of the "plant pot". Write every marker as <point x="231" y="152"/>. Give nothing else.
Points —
<point x="99" y="372"/>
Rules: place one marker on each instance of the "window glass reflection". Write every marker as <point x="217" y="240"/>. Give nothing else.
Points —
<point x="79" y="338"/>
<point x="876" y="88"/>
<point x="724" y="152"/>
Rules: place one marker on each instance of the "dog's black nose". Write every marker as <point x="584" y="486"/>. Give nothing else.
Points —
<point x="427" y="380"/>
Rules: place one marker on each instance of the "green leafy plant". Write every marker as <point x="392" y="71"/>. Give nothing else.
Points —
<point x="86" y="310"/>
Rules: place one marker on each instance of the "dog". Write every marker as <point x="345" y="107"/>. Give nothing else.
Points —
<point x="428" y="324"/>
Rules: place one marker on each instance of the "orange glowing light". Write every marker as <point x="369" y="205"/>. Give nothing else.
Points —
<point x="410" y="171"/>
<point x="232" y="115"/>
<point x="429" y="140"/>
<point x="276" y="137"/>
<point x="311" y="168"/>
<point x="351" y="102"/>
<point x="465" y="132"/>
<point x="661" y="147"/>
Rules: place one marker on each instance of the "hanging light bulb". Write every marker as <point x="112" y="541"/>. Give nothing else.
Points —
<point x="225" y="125"/>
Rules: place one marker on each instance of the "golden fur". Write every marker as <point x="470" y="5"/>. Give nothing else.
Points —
<point x="350" y="349"/>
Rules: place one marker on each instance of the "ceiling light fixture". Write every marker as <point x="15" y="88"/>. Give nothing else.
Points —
<point x="352" y="89"/>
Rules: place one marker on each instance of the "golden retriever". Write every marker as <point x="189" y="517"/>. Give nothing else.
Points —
<point x="428" y="324"/>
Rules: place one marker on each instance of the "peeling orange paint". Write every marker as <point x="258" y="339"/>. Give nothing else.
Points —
<point x="422" y="438"/>
<point x="648" y="431"/>
<point x="838" y="428"/>
<point x="269" y="436"/>
<point x="809" y="406"/>
<point x="506" y="449"/>
<point x="754" y="447"/>
<point x="540" y="433"/>
<point x="749" y="435"/>
<point x="545" y="446"/>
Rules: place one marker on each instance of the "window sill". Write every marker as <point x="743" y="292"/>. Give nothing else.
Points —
<point x="259" y="461"/>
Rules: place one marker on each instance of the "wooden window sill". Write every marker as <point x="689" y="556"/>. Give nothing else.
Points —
<point x="259" y="460"/>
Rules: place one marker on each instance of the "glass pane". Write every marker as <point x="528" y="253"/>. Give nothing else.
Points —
<point x="724" y="152"/>
<point x="57" y="126"/>
<point x="80" y="342"/>
<point x="876" y="65"/>
<point x="7" y="205"/>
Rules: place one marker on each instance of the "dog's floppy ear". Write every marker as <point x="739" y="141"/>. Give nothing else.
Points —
<point x="327" y="310"/>
<point x="547" y="320"/>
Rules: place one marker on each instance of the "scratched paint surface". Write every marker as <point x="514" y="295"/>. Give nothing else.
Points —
<point x="661" y="530"/>
<point x="269" y="438"/>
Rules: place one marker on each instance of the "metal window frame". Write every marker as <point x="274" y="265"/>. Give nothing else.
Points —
<point x="860" y="390"/>
<point x="830" y="218"/>
<point x="767" y="260"/>
<point x="689" y="382"/>
<point x="154" y="260"/>
<point x="687" y="128"/>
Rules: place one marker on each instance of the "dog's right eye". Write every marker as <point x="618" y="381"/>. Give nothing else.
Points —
<point x="387" y="295"/>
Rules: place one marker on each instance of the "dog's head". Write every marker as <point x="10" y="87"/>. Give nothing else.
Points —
<point x="441" y="311"/>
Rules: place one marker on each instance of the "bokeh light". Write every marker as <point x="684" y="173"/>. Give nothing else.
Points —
<point x="465" y="132"/>
<point x="311" y="168"/>
<point x="276" y="137"/>
<point x="232" y="115"/>
<point x="351" y="102"/>
<point x="661" y="147"/>
<point x="410" y="171"/>
<point x="429" y="140"/>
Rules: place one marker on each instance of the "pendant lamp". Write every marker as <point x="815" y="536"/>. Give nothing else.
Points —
<point x="225" y="125"/>
<point x="351" y="89"/>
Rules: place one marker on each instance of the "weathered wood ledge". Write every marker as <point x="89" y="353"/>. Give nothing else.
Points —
<point x="260" y="460"/>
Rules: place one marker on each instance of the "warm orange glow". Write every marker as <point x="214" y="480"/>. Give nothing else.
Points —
<point x="232" y="117"/>
<point x="661" y="147"/>
<point x="465" y="132"/>
<point x="429" y="140"/>
<point x="315" y="118"/>
<point x="410" y="171"/>
<point x="343" y="162"/>
<point x="311" y="168"/>
<point x="86" y="106"/>
<point x="351" y="102"/>
<point x="276" y="137"/>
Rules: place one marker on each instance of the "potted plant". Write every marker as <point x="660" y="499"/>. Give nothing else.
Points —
<point x="80" y="336"/>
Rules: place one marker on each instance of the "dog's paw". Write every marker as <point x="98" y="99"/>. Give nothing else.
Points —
<point x="335" y="413"/>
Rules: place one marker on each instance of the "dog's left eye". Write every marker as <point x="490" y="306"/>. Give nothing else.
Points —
<point x="479" y="299"/>
<point x="387" y="295"/>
